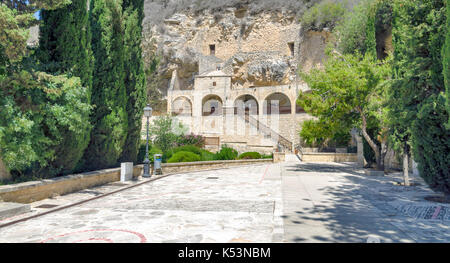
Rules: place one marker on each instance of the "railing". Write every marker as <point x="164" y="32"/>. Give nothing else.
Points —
<point x="268" y="131"/>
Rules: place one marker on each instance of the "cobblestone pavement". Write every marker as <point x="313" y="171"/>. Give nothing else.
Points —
<point x="230" y="205"/>
<point x="286" y="202"/>
<point x="325" y="202"/>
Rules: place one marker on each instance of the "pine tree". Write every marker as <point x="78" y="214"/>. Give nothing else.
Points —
<point x="108" y="90"/>
<point x="134" y="76"/>
<point x="65" y="49"/>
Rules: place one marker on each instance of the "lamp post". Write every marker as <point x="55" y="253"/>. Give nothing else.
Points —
<point x="148" y="114"/>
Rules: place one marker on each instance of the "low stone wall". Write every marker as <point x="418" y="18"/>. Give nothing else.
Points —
<point x="29" y="192"/>
<point x="329" y="157"/>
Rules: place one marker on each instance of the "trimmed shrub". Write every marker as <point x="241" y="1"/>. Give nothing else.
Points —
<point x="250" y="155"/>
<point x="226" y="153"/>
<point x="207" y="155"/>
<point x="267" y="156"/>
<point x="186" y="148"/>
<point x="183" y="156"/>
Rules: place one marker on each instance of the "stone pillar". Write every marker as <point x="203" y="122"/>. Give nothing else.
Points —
<point x="126" y="171"/>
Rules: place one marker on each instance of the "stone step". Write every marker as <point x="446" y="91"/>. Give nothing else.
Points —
<point x="12" y="209"/>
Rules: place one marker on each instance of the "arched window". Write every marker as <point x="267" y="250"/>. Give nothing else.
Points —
<point x="277" y="103"/>
<point x="246" y="104"/>
<point x="212" y="105"/>
<point x="181" y="106"/>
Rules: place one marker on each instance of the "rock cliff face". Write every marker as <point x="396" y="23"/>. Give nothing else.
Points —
<point x="256" y="47"/>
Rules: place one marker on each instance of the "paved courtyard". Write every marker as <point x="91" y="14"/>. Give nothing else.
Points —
<point x="284" y="202"/>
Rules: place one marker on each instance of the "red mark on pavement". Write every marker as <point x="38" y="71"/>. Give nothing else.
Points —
<point x="107" y="240"/>
<point x="436" y="212"/>
<point x="262" y="178"/>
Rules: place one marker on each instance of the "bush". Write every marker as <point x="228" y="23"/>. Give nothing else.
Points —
<point x="183" y="156"/>
<point x="322" y="15"/>
<point x="226" y="153"/>
<point x="250" y="155"/>
<point x="185" y="148"/>
<point x="267" y="156"/>
<point x="152" y="150"/>
<point x="44" y="127"/>
<point x="207" y="155"/>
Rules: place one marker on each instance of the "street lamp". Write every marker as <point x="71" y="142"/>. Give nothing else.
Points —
<point x="148" y="114"/>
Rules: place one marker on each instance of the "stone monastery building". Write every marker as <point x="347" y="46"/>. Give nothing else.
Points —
<point x="244" y="94"/>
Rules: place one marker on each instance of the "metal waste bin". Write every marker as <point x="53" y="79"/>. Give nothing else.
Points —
<point x="157" y="164"/>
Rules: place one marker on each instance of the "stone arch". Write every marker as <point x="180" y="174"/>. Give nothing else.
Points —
<point x="181" y="106"/>
<point x="277" y="101"/>
<point x="247" y="104"/>
<point x="212" y="105"/>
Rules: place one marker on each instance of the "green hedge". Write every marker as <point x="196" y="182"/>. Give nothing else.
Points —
<point x="185" y="148"/>
<point x="226" y="153"/>
<point x="183" y="156"/>
<point x="250" y="155"/>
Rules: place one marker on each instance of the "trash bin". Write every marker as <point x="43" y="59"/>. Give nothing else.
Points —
<point x="157" y="164"/>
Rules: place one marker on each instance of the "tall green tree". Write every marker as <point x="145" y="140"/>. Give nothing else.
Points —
<point x="65" y="48"/>
<point x="38" y="109"/>
<point x="65" y="41"/>
<point x="109" y="96"/>
<point x="348" y="91"/>
<point x="415" y="107"/>
<point x="446" y="61"/>
<point x="134" y="76"/>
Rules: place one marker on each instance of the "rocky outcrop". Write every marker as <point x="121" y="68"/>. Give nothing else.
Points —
<point x="257" y="47"/>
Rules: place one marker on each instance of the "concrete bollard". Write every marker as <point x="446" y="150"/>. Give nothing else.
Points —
<point x="126" y="171"/>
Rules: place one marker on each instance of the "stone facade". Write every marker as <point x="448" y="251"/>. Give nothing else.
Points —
<point x="241" y="71"/>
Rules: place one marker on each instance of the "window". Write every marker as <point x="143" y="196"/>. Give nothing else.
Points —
<point x="291" y="48"/>
<point x="214" y="83"/>
<point x="212" y="50"/>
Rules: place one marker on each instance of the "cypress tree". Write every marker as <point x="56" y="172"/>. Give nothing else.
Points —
<point x="446" y="62"/>
<point x="134" y="76"/>
<point x="416" y="104"/>
<point x="64" y="42"/>
<point x="65" y="49"/>
<point x="108" y="90"/>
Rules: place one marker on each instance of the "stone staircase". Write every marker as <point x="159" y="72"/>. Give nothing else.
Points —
<point x="284" y="143"/>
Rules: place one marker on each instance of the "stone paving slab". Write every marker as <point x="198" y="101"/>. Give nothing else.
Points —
<point x="338" y="203"/>
<point x="238" y="206"/>
<point x="11" y="209"/>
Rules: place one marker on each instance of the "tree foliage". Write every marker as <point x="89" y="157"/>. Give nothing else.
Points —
<point x="109" y="98"/>
<point x="324" y="14"/>
<point x="415" y="107"/>
<point x="134" y="76"/>
<point x="39" y="112"/>
<point x="446" y="62"/>
<point x="65" y="41"/>
<point x="347" y="92"/>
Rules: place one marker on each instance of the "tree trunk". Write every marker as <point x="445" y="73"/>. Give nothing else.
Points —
<point x="369" y="140"/>
<point x="384" y="150"/>
<point x="405" y="166"/>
